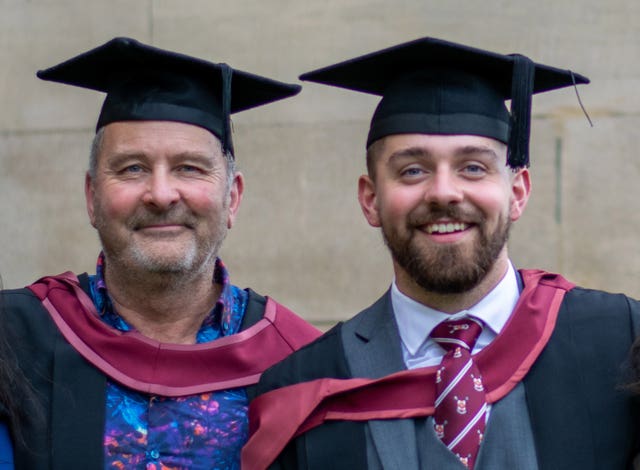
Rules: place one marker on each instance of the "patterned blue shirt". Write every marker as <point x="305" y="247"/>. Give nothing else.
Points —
<point x="154" y="432"/>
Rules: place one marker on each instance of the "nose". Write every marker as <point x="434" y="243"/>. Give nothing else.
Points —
<point x="161" y="191"/>
<point x="443" y="188"/>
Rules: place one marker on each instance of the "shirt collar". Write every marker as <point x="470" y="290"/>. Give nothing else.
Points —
<point x="220" y="315"/>
<point x="415" y="320"/>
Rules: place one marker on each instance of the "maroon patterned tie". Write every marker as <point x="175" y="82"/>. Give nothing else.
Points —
<point x="461" y="405"/>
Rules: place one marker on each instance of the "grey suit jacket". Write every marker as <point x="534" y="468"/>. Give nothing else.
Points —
<point x="580" y="417"/>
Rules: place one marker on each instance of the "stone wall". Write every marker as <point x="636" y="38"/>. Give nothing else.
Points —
<point x="300" y="236"/>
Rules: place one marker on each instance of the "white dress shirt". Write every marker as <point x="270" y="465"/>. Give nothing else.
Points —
<point x="415" y="320"/>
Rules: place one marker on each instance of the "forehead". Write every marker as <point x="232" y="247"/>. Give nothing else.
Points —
<point x="158" y="137"/>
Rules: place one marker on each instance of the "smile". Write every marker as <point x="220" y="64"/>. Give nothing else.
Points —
<point x="162" y="225"/>
<point x="162" y="230"/>
<point x="449" y="227"/>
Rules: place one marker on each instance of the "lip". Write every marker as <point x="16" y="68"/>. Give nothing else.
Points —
<point x="446" y="231"/>
<point x="446" y="226"/>
<point x="162" y="228"/>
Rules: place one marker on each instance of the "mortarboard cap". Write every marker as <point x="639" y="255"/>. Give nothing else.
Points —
<point x="147" y="83"/>
<point x="431" y="86"/>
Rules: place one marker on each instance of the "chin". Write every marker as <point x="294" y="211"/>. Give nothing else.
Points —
<point x="164" y="259"/>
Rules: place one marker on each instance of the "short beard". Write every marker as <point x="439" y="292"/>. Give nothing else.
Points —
<point x="186" y="263"/>
<point x="194" y="259"/>
<point x="447" y="269"/>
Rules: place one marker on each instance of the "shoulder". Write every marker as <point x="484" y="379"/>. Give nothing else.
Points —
<point x="592" y="304"/>
<point x="323" y="357"/>
<point x="16" y="303"/>
<point x="598" y="317"/>
<point x="580" y="292"/>
<point x="24" y="314"/>
<point x="28" y="299"/>
<point x="25" y="320"/>
<point x="16" y="296"/>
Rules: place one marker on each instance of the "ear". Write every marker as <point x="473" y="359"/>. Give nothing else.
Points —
<point x="368" y="200"/>
<point x="520" y="191"/>
<point x="235" y="197"/>
<point x="89" y="195"/>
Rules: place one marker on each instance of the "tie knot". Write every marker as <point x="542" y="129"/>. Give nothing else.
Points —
<point x="452" y="333"/>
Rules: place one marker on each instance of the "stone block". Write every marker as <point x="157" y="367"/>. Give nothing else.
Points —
<point x="535" y="240"/>
<point x="37" y="35"/>
<point x="601" y="226"/>
<point x="301" y="236"/>
<point x="45" y="228"/>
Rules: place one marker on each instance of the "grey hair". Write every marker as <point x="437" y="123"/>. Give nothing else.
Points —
<point x="96" y="148"/>
<point x="232" y="168"/>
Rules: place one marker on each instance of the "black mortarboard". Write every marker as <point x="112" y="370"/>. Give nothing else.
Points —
<point x="146" y="83"/>
<point x="431" y="86"/>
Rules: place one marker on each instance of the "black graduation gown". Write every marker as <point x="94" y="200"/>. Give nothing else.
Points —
<point x="65" y="429"/>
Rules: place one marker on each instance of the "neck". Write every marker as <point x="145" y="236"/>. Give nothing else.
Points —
<point x="169" y="308"/>
<point x="455" y="302"/>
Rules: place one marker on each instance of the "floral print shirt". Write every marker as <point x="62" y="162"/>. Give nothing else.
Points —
<point x="205" y="431"/>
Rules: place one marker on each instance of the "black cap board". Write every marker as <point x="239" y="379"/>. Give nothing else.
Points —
<point x="143" y="82"/>
<point x="432" y="86"/>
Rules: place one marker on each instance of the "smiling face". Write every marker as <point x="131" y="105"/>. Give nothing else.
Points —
<point x="445" y="204"/>
<point x="160" y="197"/>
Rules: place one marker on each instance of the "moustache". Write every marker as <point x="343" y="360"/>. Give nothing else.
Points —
<point x="144" y="218"/>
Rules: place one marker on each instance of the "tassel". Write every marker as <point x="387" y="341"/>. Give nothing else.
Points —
<point x="227" y="141"/>
<point x="520" y="121"/>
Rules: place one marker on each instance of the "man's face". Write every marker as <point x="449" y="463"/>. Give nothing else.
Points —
<point x="445" y="205"/>
<point x="160" y="198"/>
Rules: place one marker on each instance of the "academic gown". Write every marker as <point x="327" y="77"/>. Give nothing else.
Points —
<point x="580" y="417"/>
<point x="66" y="425"/>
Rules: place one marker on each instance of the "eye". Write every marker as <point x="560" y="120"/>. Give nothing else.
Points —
<point x="189" y="169"/>
<point x="412" y="171"/>
<point x="474" y="169"/>
<point x="135" y="168"/>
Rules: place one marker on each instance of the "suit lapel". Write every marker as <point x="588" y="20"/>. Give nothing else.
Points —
<point x="372" y="347"/>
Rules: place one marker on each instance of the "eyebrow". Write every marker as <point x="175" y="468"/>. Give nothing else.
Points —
<point x="196" y="157"/>
<point x="409" y="153"/>
<point x="119" y="158"/>
<point x="476" y="149"/>
<point x="464" y="151"/>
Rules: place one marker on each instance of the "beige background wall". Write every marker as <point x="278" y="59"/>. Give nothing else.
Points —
<point x="300" y="236"/>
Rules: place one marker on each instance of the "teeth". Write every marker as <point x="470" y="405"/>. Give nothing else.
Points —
<point x="446" y="228"/>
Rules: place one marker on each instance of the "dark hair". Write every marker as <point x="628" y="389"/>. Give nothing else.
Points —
<point x="634" y="362"/>
<point x="373" y="152"/>
<point x="14" y="386"/>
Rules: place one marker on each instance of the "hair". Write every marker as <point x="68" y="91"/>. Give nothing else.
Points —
<point x="15" y="389"/>
<point x="232" y="168"/>
<point x="96" y="148"/>
<point x="373" y="152"/>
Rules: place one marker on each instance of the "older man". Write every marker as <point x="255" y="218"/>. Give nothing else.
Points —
<point x="465" y="362"/>
<point x="146" y="364"/>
